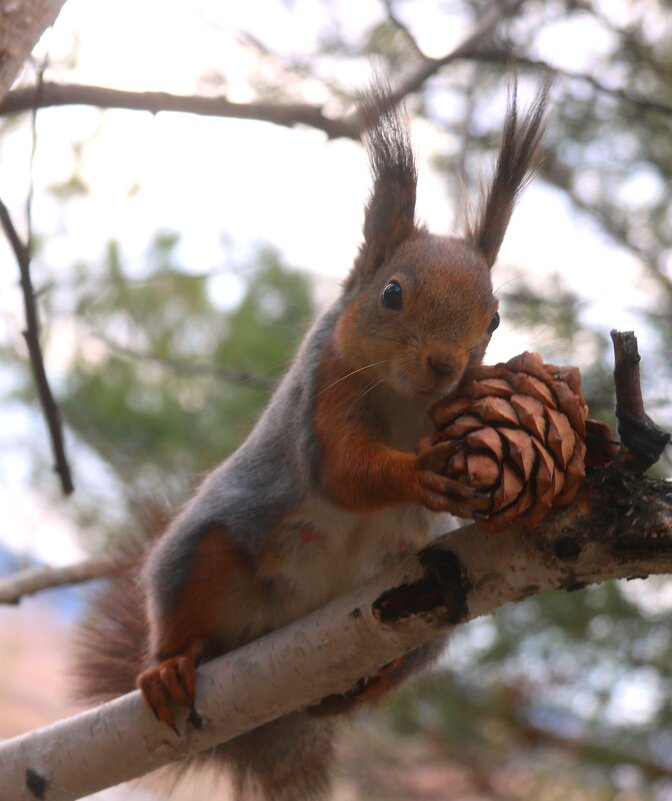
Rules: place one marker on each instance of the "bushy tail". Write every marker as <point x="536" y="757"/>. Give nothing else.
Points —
<point x="288" y="759"/>
<point x="111" y="643"/>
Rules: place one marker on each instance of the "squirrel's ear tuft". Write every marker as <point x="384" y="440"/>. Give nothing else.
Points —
<point x="389" y="216"/>
<point x="514" y="168"/>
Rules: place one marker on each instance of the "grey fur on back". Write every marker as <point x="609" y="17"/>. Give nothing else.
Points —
<point x="279" y="457"/>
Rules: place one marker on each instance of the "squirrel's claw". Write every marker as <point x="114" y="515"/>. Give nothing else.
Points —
<point x="173" y="680"/>
<point x="178" y="675"/>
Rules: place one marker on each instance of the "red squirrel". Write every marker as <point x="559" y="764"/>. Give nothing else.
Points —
<point x="327" y="489"/>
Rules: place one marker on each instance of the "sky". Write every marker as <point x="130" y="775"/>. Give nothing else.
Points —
<point x="247" y="182"/>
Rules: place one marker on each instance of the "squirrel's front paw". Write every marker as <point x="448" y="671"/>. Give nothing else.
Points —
<point x="439" y="493"/>
<point x="173" y="679"/>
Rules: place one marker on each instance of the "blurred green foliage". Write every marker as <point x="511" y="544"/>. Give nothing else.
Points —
<point x="164" y="378"/>
<point x="170" y="382"/>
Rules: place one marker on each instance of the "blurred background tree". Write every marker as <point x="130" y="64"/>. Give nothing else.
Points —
<point x="161" y="366"/>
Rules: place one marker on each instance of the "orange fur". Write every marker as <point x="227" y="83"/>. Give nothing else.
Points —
<point x="359" y="471"/>
<point x="220" y="580"/>
<point x="203" y="623"/>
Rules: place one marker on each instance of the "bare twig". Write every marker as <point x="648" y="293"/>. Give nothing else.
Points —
<point x="466" y="49"/>
<point x="643" y="442"/>
<point x="626" y="374"/>
<point x="32" y="337"/>
<point x="618" y="230"/>
<point x="35" y="579"/>
<point x="285" y="69"/>
<point x="504" y="56"/>
<point x="288" y="115"/>
<point x="621" y="527"/>
<point x="403" y="28"/>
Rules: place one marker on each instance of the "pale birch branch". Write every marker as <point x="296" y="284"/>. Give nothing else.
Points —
<point x="22" y="22"/>
<point x="621" y="527"/>
<point x="36" y="579"/>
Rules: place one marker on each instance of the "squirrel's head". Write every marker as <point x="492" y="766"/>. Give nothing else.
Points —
<point x="419" y="307"/>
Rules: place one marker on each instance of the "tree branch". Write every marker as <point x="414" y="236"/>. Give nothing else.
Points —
<point x="621" y="527"/>
<point x="35" y="579"/>
<point x="293" y="114"/>
<point x="652" y="259"/>
<point x="288" y="115"/>
<point x="32" y="336"/>
<point x="21" y="24"/>
<point x="405" y="31"/>
<point x="502" y="56"/>
<point x="468" y="48"/>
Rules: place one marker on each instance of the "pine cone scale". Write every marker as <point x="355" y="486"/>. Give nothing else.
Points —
<point x="520" y="450"/>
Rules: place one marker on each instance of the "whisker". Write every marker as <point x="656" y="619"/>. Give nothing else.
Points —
<point x="406" y="364"/>
<point x="372" y="386"/>
<point x="496" y="289"/>
<point x="342" y="378"/>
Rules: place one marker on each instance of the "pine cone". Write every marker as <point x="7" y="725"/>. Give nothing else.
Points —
<point x="516" y="434"/>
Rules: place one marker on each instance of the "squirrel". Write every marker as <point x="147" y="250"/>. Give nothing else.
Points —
<point x="327" y="489"/>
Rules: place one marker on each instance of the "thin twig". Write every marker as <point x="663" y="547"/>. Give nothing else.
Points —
<point x="503" y="56"/>
<point x="288" y="115"/>
<point x="618" y="230"/>
<point x="643" y="442"/>
<point x="287" y="69"/>
<point x="467" y="48"/>
<point x="403" y="29"/>
<point x="35" y="579"/>
<point x="626" y="374"/>
<point x="32" y="336"/>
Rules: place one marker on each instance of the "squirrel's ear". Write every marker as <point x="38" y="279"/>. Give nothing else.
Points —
<point x="514" y="168"/>
<point x="390" y="212"/>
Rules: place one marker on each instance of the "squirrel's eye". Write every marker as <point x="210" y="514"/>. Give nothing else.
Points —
<point x="392" y="296"/>
<point x="494" y="323"/>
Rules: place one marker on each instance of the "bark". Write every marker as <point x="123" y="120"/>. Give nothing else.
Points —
<point x="620" y="527"/>
<point x="22" y="22"/>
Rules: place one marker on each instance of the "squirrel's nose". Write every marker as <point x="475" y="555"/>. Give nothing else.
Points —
<point x="443" y="364"/>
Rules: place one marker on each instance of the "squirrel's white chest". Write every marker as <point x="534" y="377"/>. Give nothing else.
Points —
<point x="324" y="551"/>
<point x="327" y="551"/>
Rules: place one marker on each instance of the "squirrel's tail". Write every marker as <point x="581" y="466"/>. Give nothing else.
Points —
<point x="111" y="644"/>
<point x="285" y="760"/>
